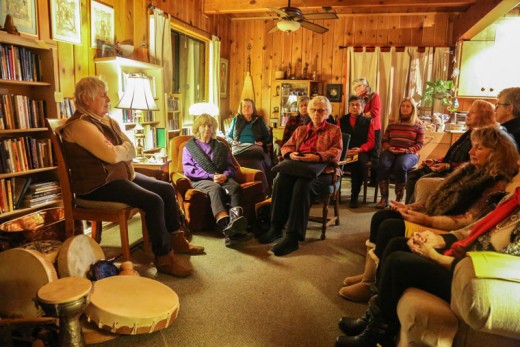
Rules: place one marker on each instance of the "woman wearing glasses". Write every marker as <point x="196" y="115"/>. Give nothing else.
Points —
<point x="402" y="140"/>
<point x="318" y="141"/>
<point x="507" y="111"/>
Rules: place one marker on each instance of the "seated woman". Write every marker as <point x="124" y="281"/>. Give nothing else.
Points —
<point x="250" y="141"/>
<point x="402" y="141"/>
<point x="427" y="261"/>
<point x="100" y="158"/>
<point x="460" y="200"/>
<point x="318" y="141"/>
<point x="207" y="163"/>
<point x="480" y="114"/>
<point x="301" y="118"/>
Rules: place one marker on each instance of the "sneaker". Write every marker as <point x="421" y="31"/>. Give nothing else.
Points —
<point x="236" y="226"/>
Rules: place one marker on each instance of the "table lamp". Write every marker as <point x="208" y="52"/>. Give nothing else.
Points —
<point x="138" y="97"/>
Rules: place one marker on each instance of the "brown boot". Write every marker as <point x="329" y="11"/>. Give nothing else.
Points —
<point x="181" y="245"/>
<point x="168" y="264"/>
<point x="350" y="280"/>
<point x="399" y="191"/>
<point x="383" y="188"/>
<point x="361" y="291"/>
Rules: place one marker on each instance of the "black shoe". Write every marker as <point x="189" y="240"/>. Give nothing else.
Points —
<point x="286" y="246"/>
<point x="353" y="202"/>
<point x="270" y="236"/>
<point x="236" y="239"/>
<point x="353" y="326"/>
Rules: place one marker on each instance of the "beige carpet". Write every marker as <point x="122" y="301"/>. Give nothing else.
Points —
<point x="248" y="297"/>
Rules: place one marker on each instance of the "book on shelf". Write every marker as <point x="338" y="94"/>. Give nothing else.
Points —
<point x="21" y="112"/>
<point x="67" y="108"/>
<point x="19" y="63"/>
<point x="41" y="201"/>
<point x="20" y="186"/>
<point x="41" y="186"/>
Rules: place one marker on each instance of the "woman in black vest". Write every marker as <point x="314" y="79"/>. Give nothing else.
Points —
<point x="362" y="140"/>
<point x="250" y="141"/>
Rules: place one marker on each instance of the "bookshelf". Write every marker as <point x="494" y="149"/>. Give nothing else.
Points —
<point x="28" y="78"/>
<point x="113" y="71"/>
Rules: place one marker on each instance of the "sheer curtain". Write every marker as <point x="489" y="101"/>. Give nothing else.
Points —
<point x="395" y="75"/>
<point x="161" y="46"/>
<point x="214" y="72"/>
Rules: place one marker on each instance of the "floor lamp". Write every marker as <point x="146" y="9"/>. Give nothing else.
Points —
<point x="137" y="98"/>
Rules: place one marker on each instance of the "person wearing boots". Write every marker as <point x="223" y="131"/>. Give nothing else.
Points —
<point x="480" y="114"/>
<point x="463" y="197"/>
<point x="100" y="158"/>
<point x="426" y="261"/>
<point x="371" y="110"/>
<point x="402" y="141"/>
<point x="318" y="141"/>
<point x="207" y="163"/>
<point x="362" y="138"/>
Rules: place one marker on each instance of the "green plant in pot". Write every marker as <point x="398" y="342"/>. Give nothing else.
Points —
<point x="439" y="93"/>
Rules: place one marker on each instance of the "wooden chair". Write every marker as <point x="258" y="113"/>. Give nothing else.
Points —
<point x="333" y="197"/>
<point x="95" y="211"/>
<point x="196" y="204"/>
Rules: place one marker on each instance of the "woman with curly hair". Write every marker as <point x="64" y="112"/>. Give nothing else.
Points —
<point x="459" y="201"/>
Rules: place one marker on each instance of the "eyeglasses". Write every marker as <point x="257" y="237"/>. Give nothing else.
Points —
<point x="319" y="110"/>
<point x="355" y="105"/>
<point x="499" y="104"/>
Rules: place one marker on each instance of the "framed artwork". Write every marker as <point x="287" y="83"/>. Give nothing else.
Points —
<point x="224" y="70"/>
<point x="66" y="20"/>
<point x="23" y="13"/>
<point x="102" y="24"/>
<point x="334" y="92"/>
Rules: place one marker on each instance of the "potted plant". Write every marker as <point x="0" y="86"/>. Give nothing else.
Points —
<point x="439" y="93"/>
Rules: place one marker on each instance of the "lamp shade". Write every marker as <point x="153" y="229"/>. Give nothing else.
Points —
<point x="203" y="107"/>
<point x="288" y="25"/>
<point x="138" y="94"/>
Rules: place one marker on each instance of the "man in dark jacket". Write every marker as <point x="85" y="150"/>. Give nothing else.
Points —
<point x="362" y="140"/>
<point x="507" y="111"/>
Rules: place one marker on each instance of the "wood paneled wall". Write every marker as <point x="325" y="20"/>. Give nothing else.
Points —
<point x="322" y="51"/>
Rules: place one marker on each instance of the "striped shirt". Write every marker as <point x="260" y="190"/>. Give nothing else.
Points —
<point x="402" y="135"/>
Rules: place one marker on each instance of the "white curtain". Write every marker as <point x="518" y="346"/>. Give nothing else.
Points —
<point x="395" y="75"/>
<point x="161" y="46"/>
<point x="214" y="72"/>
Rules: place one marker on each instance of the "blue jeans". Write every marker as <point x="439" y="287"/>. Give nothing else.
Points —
<point x="398" y="164"/>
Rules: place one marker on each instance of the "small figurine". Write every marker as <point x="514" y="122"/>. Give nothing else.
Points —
<point x="9" y="25"/>
<point x="306" y="71"/>
<point x="288" y="71"/>
<point x="314" y="76"/>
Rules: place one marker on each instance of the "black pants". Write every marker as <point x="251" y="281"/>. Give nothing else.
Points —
<point x="356" y="173"/>
<point x="218" y="193"/>
<point x="292" y="197"/>
<point x="401" y="269"/>
<point x="384" y="226"/>
<point x="156" y="198"/>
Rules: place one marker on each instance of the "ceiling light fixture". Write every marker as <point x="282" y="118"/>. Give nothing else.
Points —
<point x="288" y="25"/>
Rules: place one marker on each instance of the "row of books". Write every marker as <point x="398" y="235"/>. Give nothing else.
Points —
<point x="67" y="108"/>
<point x="19" y="63"/>
<point x="25" y="153"/>
<point x="18" y="192"/>
<point x="20" y="112"/>
<point x="129" y="116"/>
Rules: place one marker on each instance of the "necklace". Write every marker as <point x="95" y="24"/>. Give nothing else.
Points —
<point x="512" y="219"/>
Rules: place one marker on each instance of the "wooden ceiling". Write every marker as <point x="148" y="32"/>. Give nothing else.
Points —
<point x="470" y="16"/>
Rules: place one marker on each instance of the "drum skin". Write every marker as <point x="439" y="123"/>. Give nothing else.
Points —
<point x="22" y="273"/>
<point x="149" y="306"/>
<point x="77" y="254"/>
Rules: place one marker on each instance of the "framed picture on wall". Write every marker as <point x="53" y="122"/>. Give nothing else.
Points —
<point x="224" y="71"/>
<point x="334" y="92"/>
<point x="66" y="20"/>
<point x="23" y="13"/>
<point x="102" y="24"/>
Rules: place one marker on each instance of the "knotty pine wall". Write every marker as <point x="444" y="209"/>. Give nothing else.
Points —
<point x="322" y="51"/>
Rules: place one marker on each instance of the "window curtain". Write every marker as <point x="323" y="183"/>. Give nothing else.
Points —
<point x="214" y="72"/>
<point x="395" y="75"/>
<point x="161" y="46"/>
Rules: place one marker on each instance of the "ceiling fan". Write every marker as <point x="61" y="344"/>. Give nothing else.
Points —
<point x="292" y="18"/>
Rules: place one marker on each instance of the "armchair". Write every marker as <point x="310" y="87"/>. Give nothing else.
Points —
<point x="196" y="204"/>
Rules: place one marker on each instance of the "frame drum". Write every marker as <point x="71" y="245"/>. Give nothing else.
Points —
<point x="77" y="254"/>
<point x="22" y="273"/>
<point x="132" y="305"/>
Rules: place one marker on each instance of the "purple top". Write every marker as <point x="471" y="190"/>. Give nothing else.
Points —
<point x="194" y="171"/>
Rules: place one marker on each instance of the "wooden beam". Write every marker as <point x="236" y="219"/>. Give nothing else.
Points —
<point x="240" y="6"/>
<point x="479" y="16"/>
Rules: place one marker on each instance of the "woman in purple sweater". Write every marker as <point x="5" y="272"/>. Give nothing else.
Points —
<point x="207" y="163"/>
<point x="401" y="144"/>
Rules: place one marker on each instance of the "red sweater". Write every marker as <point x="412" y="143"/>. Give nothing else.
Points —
<point x="410" y="137"/>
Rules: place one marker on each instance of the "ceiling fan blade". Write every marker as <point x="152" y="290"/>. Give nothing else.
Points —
<point x="314" y="27"/>
<point x="273" y="29"/>
<point x="322" y="15"/>
<point x="278" y="12"/>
